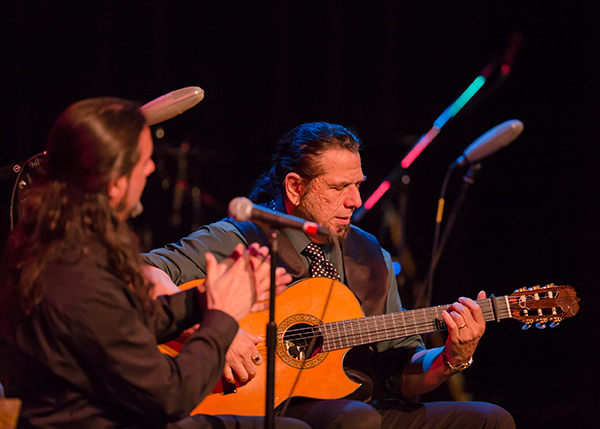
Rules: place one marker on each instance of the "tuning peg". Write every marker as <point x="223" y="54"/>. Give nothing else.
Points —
<point x="555" y="323"/>
<point x="540" y="325"/>
<point x="526" y="326"/>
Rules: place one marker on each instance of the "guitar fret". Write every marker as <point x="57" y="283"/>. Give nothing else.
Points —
<point x="383" y="331"/>
<point x="389" y="328"/>
<point x="438" y="320"/>
<point x="376" y="319"/>
<point x="345" y="341"/>
<point x="488" y="309"/>
<point x="346" y="338"/>
<point x="326" y="340"/>
<point x="360" y="331"/>
<point x="506" y="308"/>
<point x="362" y="324"/>
<point x="423" y="322"/>
<point x="438" y="316"/>
<point x="378" y="331"/>
<point x="334" y="337"/>
<point x="349" y="333"/>
<point x="339" y="337"/>
<point x="371" y="329"/>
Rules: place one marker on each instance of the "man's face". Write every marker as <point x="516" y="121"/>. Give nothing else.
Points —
<point x="330" y="198"/>
<point x="136" y="181"/>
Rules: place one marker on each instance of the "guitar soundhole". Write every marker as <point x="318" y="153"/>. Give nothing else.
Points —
<point x="299" y="341"/>
<point x="303" y="341"/>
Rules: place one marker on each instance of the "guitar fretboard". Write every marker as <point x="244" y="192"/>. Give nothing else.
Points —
<point x="382" y="327"/>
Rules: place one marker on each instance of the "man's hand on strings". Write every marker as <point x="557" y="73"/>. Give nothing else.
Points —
<point x="466" y="326"/>
<point x="243" y="357"/>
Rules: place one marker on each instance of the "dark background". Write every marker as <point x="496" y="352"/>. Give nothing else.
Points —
<point x="387" y="70"/>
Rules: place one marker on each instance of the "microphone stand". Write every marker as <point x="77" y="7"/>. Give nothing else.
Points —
<point x="271" y="335"/>
<point x="468" y="180"/>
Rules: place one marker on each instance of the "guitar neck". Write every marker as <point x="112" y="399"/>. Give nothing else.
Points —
<point x="355" y="332"/>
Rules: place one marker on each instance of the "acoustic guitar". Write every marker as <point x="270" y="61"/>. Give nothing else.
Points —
<point x="319" y="319"/>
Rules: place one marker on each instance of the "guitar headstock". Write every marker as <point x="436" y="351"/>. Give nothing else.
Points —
<point x="543" y="304"/>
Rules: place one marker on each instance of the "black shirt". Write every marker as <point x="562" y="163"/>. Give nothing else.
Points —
<point x="87" y="356"/>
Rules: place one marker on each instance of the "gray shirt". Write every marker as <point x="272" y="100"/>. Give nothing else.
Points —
<point x="184" y="261"/>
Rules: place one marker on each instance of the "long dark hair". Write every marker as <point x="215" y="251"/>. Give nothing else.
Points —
<point x="92" y="142"/>
<point x="297" y="152"/>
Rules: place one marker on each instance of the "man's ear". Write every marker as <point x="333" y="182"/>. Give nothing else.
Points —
<point x="294" y="187"/>
<point x="116" y="190"/>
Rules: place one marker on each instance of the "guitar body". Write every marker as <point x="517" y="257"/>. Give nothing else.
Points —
<point x="300" y="306"/>
<point x="319" y="319"/>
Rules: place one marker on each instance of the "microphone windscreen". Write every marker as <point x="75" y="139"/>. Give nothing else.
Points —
<point x="240" y="208"/>
<point x="172" y="104"/>
<point x="495" y="139"/>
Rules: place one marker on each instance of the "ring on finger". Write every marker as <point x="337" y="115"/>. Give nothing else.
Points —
<point x="256" y="359"/>
<point x="464" y="325"/>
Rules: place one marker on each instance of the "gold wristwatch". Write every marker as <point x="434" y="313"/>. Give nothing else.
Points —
<point x="455" y="368"/>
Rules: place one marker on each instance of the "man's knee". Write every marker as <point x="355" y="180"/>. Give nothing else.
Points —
<point x="490" y="415"/>
<point x="357" y="415"/>
<point x="335" y="414"/>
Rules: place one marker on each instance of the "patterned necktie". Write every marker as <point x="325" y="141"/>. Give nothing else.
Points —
<point x="319" y="266"/>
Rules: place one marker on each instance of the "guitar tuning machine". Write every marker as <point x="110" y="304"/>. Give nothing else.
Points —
<point x="555" y="322"/>
<point x="537" y="287"/>
<point x="541" y="324"/>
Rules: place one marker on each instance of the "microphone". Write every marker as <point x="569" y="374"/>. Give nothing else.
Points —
<point x="493" y="140"/>
<point x="172" y="104"/>
<point x="242" y="210"/>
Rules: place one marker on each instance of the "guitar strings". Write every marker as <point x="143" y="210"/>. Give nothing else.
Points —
<point x="355" y="336"/>
<point x="422" y="324"/>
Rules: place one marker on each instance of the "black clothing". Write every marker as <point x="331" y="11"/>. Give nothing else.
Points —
<point x="87" y="355"/>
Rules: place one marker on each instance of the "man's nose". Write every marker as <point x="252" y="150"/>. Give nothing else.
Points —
<point x="353" y="198"/>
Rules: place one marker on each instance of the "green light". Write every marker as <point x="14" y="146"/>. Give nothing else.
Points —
<point x="466" y="96"/>
<point x="455" y="107"/>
